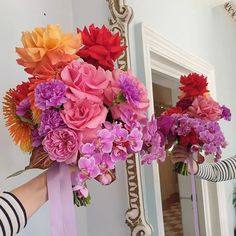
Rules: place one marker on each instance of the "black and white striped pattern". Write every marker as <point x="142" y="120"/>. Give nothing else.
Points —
<point x="216" y="172"/>
<point x="12" y="215"/>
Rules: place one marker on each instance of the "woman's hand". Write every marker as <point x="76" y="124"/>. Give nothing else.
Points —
<point x="180" y="154"/>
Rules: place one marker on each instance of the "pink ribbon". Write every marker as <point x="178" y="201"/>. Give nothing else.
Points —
<point x="194" y="194"/>
<point x="60" y="195"/>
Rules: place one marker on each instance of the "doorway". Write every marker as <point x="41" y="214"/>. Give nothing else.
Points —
<point x="168" y="62"/>
<point x="175" y="189"/>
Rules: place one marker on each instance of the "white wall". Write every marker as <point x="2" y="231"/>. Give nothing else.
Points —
<point x="17" y="16"/>
<point x="204" y="32"/>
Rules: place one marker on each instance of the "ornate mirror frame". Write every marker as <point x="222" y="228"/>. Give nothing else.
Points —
<point x="121" y="15"/>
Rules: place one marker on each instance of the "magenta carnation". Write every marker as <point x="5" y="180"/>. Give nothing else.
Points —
<point x="50" y="94"/>
<point x="226" y="113"/>
<point x="49" y="120"/>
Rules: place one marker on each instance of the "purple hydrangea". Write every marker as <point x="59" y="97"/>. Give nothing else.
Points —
<point x="210" y="136"/>
<point x="50" y="94"/>
<point x="226" y="114"/>
<point x="129" y="89"/>
<point x="49" y="120"/>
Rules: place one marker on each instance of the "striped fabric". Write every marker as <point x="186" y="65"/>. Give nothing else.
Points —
<point x="12" y="215"/>
<point x="216" y="172"/>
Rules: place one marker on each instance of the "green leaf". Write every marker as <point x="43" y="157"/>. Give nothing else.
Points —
<point x="81" y="201"/>
<point x="23" y="119"/>
<point x="181" y="168"/>
<point x="120" y="98"/>
<point x="16" y="174"/>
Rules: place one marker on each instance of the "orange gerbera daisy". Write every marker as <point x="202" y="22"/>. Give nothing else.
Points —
<point x="19" y="130"/>
<point x="48" y="43"/>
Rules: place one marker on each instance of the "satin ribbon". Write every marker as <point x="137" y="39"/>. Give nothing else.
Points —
<point x="60" y="196"/>
<point x="194" y="195"/>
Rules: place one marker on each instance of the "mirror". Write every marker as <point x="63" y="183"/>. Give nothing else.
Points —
<point x="159" y="62"/>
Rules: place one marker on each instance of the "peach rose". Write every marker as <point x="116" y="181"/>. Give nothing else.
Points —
<point x="84" y="116"/>
<point x="205" y="108"/>
<point x="85" y="81"/>
<point x="51" y="43"/>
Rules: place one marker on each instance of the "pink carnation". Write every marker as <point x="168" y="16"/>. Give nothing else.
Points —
<point x="62" y="145"/>
<point x="85" y="81"/>
<point x="205" y="108"/>
<point x="133" y="92"/>
<point x="84" y="116"/>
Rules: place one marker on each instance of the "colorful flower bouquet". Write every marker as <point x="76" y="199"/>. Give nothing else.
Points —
<point x="194" y="121"/>
<point x="76" y="109"/>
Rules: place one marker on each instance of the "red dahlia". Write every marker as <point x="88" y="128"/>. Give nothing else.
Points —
<point x="101" y="47"/>
<point x="173" y="110"/>
<point x="189" y="139"/>
<point x="20" y="92"/>
<point x="193" y="85"/>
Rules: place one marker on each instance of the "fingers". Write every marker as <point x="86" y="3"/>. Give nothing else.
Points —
<point x="178" y="159"/>
<point x="179" y="154"/>
<point x="179" y="147"/>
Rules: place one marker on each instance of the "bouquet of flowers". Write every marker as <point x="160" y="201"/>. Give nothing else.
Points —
<point x="194" y="121"/>
<point x="76" y="109"/>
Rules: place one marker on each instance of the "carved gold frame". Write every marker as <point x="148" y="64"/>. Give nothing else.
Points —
<point x="121" y="15"/>
<point x="231" y="9"/>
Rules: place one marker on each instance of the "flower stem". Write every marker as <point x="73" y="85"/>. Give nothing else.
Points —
<point x="181" y="168"/>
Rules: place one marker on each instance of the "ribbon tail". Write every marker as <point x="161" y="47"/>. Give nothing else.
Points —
<point x="61" y="208"/>
<point x="54" y="199"/>
<point x="67" y="202"/>
<point x="194" y="194"/>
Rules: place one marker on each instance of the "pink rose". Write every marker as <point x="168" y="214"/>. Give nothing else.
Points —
<point x="85" y="81"/>
<point x="62" y="145"/>
<point x="84" y="116"/>
<point x="205" y="108"/>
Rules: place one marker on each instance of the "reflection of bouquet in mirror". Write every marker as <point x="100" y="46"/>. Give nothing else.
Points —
<point x="194" y="121"/>
<point x="76" y="109"/>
